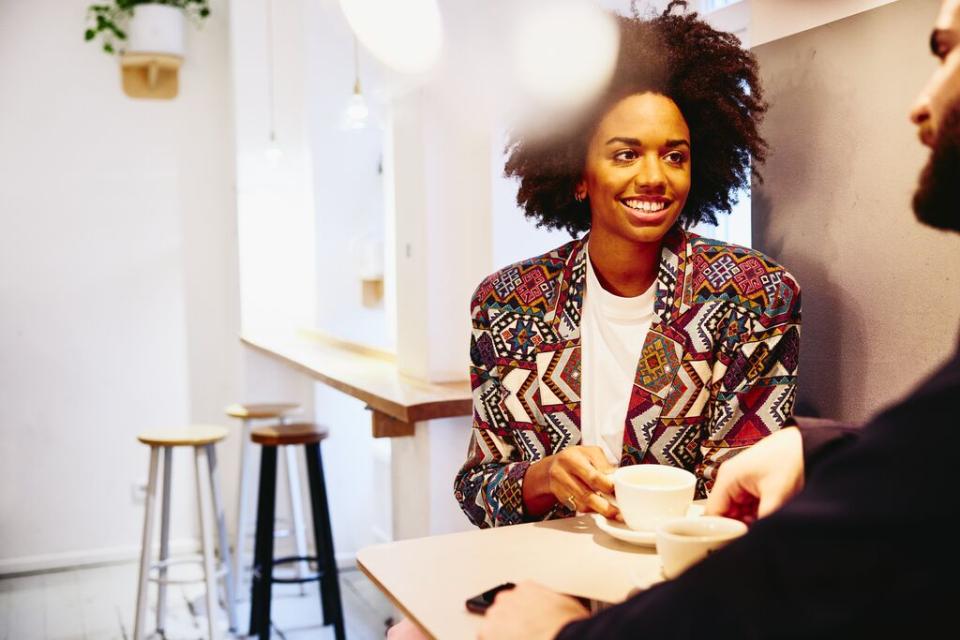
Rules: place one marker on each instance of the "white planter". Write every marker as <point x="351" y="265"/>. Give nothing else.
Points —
<point x="156" y="28"/>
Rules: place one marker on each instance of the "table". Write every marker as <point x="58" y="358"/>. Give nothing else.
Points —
<point x="429" y="579"/>
<point x="396" y="401"/>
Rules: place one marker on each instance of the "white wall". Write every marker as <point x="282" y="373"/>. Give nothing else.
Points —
<point x="349" y="206"/>
<point x="773" y="19"/>
<point x="117" y="280"/>
<point x="275" y="216"/>
<point x="302" y="222"/>
<point x="514" y="237"/>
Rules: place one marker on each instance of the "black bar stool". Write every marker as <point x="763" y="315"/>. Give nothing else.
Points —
<point x="271" y="437"/>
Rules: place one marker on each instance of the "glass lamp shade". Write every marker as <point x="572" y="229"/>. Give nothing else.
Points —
<point x="356" y="114"/>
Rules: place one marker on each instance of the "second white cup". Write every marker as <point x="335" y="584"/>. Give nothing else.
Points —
<point x="686" y="541"/>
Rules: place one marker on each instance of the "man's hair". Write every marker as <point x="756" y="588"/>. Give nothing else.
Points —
<point x="711" y="79"/>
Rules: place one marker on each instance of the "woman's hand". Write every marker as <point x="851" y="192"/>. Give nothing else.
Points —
<point x="575" y="478"/>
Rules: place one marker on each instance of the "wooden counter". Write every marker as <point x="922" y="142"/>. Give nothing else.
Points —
<point x="396" y="401"/>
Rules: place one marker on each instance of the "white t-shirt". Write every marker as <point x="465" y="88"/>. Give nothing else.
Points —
<point x="612" y="331"/>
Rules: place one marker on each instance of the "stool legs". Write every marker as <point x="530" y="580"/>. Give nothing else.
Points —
<point x="146" y="545"/>
<point x="263" y="547"/>
<point x="206" y="535"/>
<point x="296" y="511"/>
<point x="164" y="538"/>
<point x="222" y="544"/>
<point x="243" y="508"/>
<point x="323" y="534"/>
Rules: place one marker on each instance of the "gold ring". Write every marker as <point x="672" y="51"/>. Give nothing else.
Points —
<point x="572" y="501"/>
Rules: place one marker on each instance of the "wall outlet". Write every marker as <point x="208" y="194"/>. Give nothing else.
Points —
<point x="138" y="492"/>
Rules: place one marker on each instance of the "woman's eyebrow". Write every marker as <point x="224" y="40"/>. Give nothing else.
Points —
<point x="636" y="142"/>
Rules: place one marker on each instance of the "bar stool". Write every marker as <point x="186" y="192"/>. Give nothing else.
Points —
<point x="269" y="438"/>
<point x="248" y="413"/>
<point x="203" y="439"/>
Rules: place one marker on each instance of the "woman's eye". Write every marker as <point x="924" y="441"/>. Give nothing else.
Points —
<point x="675" y="157"/>
<point x="625" y="156"/>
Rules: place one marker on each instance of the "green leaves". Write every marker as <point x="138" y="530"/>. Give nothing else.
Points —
<point x="108" y="21"/>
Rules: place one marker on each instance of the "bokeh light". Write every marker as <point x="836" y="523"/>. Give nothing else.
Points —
<point x="564" y="53"/>
<point x="406" y="36"/>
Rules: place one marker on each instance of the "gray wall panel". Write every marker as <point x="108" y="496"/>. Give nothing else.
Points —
<point x="881" y="294"/>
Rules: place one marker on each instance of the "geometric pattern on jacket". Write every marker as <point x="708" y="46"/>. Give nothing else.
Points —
<point x="717" y="371"/>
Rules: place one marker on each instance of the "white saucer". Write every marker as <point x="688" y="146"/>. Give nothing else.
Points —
<point x="620" y="531"/>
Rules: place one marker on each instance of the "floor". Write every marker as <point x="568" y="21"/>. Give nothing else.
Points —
<point x="98" y="604"/>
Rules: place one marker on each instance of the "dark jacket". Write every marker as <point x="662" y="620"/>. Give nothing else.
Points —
<point x="867" y="548"/>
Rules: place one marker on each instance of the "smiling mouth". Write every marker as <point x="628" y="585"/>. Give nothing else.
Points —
<point x="646" y="205"/>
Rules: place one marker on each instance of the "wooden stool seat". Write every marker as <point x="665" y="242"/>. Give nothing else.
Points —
<point x="272" y="440"/>
<point x="263" y="411"/>
<point x="196" y="435"/>
<point x="216" y="561"/>
<point x="281" y="435"/>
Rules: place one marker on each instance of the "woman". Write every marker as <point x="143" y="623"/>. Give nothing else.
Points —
<point x="639" y="342"/>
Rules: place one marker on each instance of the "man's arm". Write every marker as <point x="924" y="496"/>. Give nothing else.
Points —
<point x="821" y="437"/>
<point x="757" y="482"/>
<point x="837" y="559"/>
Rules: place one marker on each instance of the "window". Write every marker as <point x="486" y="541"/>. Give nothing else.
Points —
<point x="713" y="5"/>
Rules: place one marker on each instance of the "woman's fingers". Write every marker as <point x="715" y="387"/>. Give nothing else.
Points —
<point x="568" y="490"/>
<point x="589" y="466"/>
<point x="572" y="485"/>
<point x="598" y="470"/>
<point x="596" y="502"/>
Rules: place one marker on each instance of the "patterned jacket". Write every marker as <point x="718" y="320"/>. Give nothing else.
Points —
<point x="717" y="371"/>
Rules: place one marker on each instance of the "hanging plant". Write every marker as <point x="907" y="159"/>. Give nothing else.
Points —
<point x="109" y="21"/>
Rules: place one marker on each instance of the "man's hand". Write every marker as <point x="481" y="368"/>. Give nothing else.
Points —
<point x="529" y="612"/>
<point x="758" y="481"/>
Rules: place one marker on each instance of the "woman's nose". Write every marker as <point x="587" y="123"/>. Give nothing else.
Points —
<point x="650" y="175"/>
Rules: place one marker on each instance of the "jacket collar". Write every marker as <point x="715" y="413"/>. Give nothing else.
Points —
<point x="669" y="281"/>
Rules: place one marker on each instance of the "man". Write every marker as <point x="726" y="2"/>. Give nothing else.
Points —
<point x="858" y="535"/>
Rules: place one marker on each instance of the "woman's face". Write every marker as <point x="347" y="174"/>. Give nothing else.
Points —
<point x="637" y="169"/>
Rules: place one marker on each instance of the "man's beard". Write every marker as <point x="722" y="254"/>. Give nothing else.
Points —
<point x="937" y="199"/>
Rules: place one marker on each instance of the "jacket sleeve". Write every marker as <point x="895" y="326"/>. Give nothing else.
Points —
<point x="489" y="486"/>
<point x="754" y="381"/>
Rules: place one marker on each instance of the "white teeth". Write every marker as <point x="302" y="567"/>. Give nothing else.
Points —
<point x="645" y="205"/>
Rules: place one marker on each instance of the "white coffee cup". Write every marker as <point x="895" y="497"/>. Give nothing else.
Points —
<point x="686" y="541"/>
<point x="649" y="494"/>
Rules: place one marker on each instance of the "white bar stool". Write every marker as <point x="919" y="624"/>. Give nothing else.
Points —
<point x="248" y="413"/>
<point x="203" y="439"/>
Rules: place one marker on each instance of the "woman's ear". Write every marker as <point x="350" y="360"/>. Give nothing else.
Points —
<point x="580" y="192"/>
